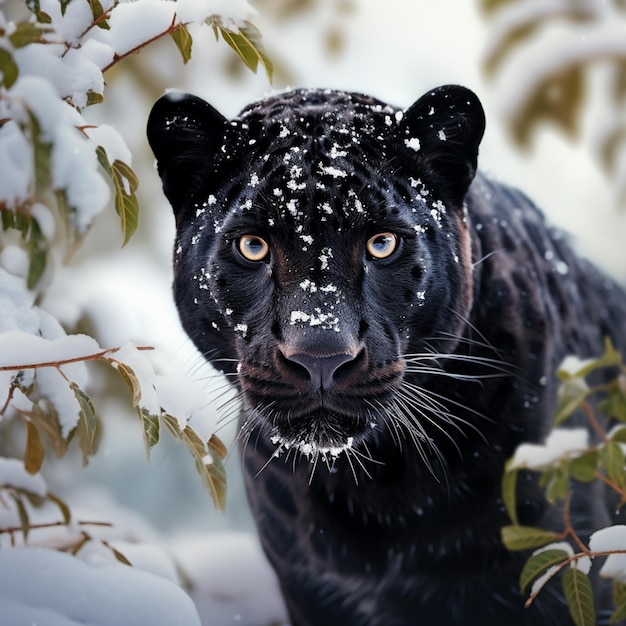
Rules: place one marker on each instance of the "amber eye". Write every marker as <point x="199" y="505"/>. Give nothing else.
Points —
<point x="253" y="248"/>
<point x="382" y="245"/>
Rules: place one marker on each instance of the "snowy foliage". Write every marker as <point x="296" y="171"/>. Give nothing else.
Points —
<point x="58" y="173"/>
<point x="571" y="455"/>
<point x="552" y="59"/>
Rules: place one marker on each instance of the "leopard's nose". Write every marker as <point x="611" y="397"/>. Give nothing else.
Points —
<point x="322" y="370"/>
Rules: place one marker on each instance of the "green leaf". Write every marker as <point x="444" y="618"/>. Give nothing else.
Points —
<point x="526" y="537"/>
<point x="151" y="429"/>
<point x="182" y="39"/>
<point x="538" y="564"/>
<point x="38" y="254"/>
<point x="86" y="430"/>
<point x="246" y="42"/>
<point x="93" y="97"/>
<point x="579" y="596"/>
<point x="35" y="452"/>
<point x="571" y="394"/>
<point x="125" y="183"/>
<point x="26" y="33"/>
<point x="64" y="4"/>
<point x="613" y="461"/>
<point x="97" y="11"/>
<point x="8" y="69"/>
<point x="609" y="358"/>
<point x="619" y="435"/>
<point x="619" y="600"/>
<point x="42" y="151"/>
<point x="555" y="482"/>
<point x="615" y="404"/>
<point x="509" y="483"/>
<point x="34" y="6"/>
<point x="584" y="468"/>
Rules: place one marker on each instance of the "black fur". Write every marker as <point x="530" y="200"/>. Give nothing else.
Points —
<point x="380" y="396"/>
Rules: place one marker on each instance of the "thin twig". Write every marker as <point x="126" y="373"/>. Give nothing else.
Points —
<point x="117" y="58"/>
<point x="97" y="356"/>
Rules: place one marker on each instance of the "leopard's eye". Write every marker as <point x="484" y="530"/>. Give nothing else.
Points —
<point x="253" y="248"/>
<point x="382" y="245"/>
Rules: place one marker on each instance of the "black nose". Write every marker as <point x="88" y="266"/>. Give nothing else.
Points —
<point x="322" y="370"/>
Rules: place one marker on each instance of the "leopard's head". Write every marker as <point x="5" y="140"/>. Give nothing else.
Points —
<point x="321" y="243"/>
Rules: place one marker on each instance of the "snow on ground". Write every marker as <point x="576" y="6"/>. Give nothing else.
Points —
<point x="51" y="588"/>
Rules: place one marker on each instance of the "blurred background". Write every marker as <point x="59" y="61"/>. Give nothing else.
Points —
<point x="551" y="76"/>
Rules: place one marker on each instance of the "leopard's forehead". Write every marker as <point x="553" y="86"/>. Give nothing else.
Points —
<point x="307" y="159"/>
<point x="331" y="112"/>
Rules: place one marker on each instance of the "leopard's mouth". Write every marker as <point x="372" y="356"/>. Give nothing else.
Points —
<point x="317" y="434"/>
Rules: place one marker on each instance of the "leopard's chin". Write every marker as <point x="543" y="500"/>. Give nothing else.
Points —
<point x="313" y="449"/>
<point x="320" y="434"/>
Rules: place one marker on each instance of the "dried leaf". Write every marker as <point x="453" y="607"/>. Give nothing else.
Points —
<point x="8" y="69"/>
<point x="558" y="99"/>
<point x="208" y="459"/>
<point x="22" y="514"/>
<point x="130" y="380"/>
<point x="35" y="452"/>
<point x="151" y="429"/>
<point x="65" y="510"/>
<point x="86" y="430"/>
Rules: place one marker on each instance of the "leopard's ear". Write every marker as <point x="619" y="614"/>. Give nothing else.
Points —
<point x="444" y="128"/>
<point x="185" y="134"/>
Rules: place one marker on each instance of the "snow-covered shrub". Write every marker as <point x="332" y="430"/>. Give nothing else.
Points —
<point x="570" y="456"/>
<point x="562" y="62"/>
<point x="57" y="174"/>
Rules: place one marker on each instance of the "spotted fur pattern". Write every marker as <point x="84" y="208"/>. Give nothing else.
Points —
<point x="393" y="336"/>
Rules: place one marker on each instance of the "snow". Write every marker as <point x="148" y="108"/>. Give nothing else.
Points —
<point x="17" y="164"/>
<point x="13" y="474"/>
<point x="606" y="540"/>
<point x="559" y="443"/>
<point x="43" y="586"/>
<point x="21" y="350"/>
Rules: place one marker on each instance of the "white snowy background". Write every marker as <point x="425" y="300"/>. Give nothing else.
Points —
<point x="163" y="520"/>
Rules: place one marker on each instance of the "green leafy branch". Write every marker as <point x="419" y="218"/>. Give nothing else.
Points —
<point x="603" y="461"/>
<point x="244" y="39"/>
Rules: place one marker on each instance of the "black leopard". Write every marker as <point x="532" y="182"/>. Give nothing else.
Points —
<point x="392" y="321"/>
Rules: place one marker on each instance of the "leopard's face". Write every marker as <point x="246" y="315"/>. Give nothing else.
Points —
<point x="321" y="245"/>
